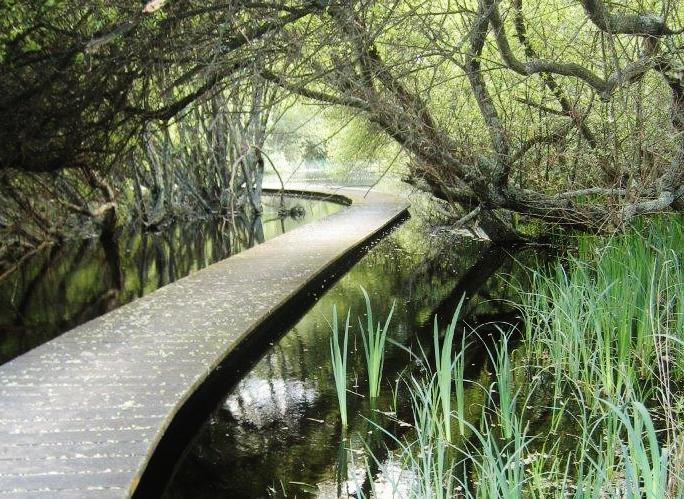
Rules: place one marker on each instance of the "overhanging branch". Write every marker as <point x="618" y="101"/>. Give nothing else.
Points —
<point x="625" y="24"/>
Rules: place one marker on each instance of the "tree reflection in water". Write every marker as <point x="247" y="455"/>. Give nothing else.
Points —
<point x="69" y="284"/>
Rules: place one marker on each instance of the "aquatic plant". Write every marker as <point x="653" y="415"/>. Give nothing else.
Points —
<point x="445" y="362"/>
<point x="338" y="354"/>
<point x="428" y="467"/>
<point x="503" y="386"/>
<point x="586" y="405"/>
<point x="374" y="339"/>
<point x="645" y="461"/>
<point x="459" y="385"/>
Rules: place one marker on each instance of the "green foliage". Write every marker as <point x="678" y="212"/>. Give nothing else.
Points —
<point x="587" y="405"/>
<point x="608" y="313"/>
<point x="445" y="362"/>
<point x="374" y="338"/>
<point x="338" y="354"/>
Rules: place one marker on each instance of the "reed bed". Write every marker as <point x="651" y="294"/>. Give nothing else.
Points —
<point x="589" y="401"/>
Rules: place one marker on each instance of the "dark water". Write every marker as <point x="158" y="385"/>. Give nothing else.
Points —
<point x="277" y="433"/>
<point x="77" y="281"/>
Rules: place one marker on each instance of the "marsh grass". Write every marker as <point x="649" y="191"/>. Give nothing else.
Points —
<point x="374" y="340"/>
<point x="503" y="390"/>
<point x="588" y="404"/>
<point x="445" y="363"/>
<point x="459" y="385"/>
<point x="338" y="354"/>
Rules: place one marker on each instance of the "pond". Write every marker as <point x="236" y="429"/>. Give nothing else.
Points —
<point x="277" y="432"/>
<point x="71" y="283"/>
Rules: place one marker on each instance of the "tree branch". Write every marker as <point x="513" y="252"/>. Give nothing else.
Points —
<point x="605" y="87"/>
<point x="551" y="138"/>
<point x="625" y="24"/>
<point x="347" y="101"/>
<point x="482" y="96"/>
<point x="549" y="81"/>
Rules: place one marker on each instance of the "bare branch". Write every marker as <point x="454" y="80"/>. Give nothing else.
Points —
<point x="625" y="24"/>
<point x="347" y="101"/>
<point x="604" y="87"/>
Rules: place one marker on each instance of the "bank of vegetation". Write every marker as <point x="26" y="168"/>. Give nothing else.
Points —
<point x="570" y="113"/>
<point x="585" y="400"/>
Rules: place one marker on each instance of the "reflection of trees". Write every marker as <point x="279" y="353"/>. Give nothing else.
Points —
<point x="237" y="455"/>
<point x="33" y="283"/>
<point x="259" y="415"/>
<point x="73" y="283"/>
<point x="110" y="245"/>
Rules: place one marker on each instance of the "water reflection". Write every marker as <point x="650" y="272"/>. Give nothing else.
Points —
<point x="259" y="403"/>
<point x="80" y="280"/>
<point x="278" y="432"/>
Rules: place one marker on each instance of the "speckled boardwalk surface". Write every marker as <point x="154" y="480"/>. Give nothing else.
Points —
<point x="81" y="414"/>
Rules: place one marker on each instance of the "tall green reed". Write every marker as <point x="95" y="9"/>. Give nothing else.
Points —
<point x="338" y="354"/>
<point x="606" y="326"/>
<point x="374" y="339"/>
<point x="445" y="363"/>
<point x="459" y="385"/>
<point x="505" y="389"/>
<point x="645" y="462"/>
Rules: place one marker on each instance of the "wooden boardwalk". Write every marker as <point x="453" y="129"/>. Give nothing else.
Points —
<point x="81" y="415"/>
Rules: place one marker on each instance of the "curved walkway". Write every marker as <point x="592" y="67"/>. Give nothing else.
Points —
<point x="81" y="415"/>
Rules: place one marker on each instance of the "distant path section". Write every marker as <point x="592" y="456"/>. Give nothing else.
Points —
<point x="81" y="415"/>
